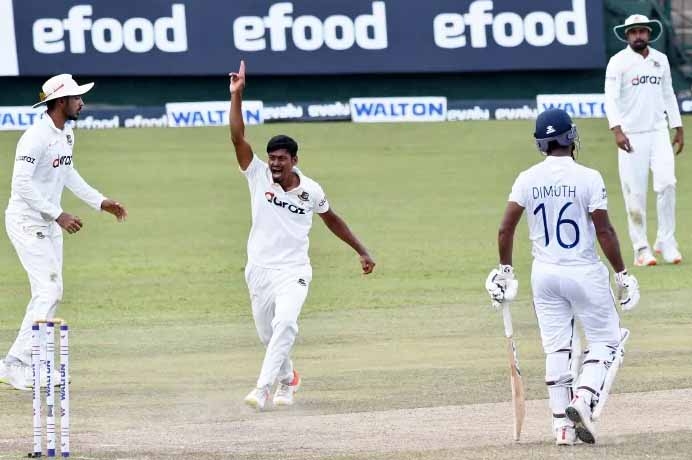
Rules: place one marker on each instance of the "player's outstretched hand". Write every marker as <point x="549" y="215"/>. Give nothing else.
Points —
<point x="237" y="79"/>
<point x="501" y="285"/>
<point x="627" y="290"/>
<point x="367" y="264"/>
<point x="115" y="208"/>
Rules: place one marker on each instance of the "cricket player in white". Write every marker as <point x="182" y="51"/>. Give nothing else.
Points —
<point x="567" y="214"/>
<point x="34" y="218"/>
<point x="639" y="95"/>
<point x="278" y="271"/>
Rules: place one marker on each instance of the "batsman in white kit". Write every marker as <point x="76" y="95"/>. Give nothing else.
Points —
<point x="278" y="271"/>
<point x="34" y="218"/>
<point x="639" y="96"/>
<point x="567" y="214"/>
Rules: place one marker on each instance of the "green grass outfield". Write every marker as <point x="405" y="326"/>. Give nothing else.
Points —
<point x="160" y="312"/>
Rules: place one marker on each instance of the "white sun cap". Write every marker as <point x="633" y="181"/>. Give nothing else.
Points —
<point x="639" y="20"/>
<point x="60" y="86"/>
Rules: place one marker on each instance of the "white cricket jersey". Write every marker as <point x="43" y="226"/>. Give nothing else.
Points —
<point x="43" y="166"/>
<point x="281" y="220"/>
<point x="639" y="92"/>
<point x="559" y="194"/>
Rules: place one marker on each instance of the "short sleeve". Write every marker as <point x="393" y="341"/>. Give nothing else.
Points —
<point x="254" y="169"/>
<point x="518" y="193"/>
<point x="598" y="196"/>
<point x="320" y="203"/>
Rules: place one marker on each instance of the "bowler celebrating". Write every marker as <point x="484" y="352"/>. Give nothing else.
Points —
<point x="278" y="271"/>
<point x="567" y="214"/>
<point x="639" y="96"/>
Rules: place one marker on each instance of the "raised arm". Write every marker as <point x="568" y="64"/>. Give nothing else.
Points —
<point x="338" y="227"/>
<point x="243" y="151"/>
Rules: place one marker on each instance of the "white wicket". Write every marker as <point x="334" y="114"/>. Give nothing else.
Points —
<point x="36" y="369"/>
<point x="64" y="390"/>
<point x="50" y="391"/>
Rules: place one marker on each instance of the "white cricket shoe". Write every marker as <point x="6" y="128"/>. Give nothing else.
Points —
<point x="16" y="374"/>
<point x="669" y="251"/>
<point x="565" y="435"/>
<point x="285" y="391"/>
<point x="579" y="411"/>
<point x="257" y="398"/>
<point x="644" y="258"/>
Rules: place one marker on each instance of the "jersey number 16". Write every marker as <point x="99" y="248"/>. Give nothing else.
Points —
<point x="560" y="223"/>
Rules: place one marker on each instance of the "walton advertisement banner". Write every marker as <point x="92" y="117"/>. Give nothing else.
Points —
<point x="186" y="37"/>
<point x="576" y="105"/>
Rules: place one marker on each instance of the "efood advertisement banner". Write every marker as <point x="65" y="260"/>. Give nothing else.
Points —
<point x="307" y="37"/>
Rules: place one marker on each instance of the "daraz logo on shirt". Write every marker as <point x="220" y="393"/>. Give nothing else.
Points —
<point x="63" y="160"/>
<point x="644" y="79"/>
<point x="283" y="204"/>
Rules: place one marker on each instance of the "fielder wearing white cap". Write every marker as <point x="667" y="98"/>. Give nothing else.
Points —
<point x="278" y="271"/>
<point x="34" y="218"/>
<point x="641" y="106"/>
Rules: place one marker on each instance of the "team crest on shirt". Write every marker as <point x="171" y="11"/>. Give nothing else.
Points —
<point x="656" y="63"/>
<point x="302" y="282"/>
<point x="304" y="196"/>
<point x="69" y="139"/>
<point x="40" y="235"/>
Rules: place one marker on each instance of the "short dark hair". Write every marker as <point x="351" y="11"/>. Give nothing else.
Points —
<point x="282" y="142"/>
<point x="554" y="145"/>
<point x="50" y="105"/>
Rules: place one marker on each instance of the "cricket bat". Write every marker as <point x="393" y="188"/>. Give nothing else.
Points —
<point x="518" y="401"/>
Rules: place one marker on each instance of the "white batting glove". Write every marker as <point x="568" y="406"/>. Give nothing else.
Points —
<point x="627" y="290"/>
<point x="501" y="285"/>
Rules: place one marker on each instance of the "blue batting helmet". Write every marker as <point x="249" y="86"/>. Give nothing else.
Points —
<point x="555" y="125"/>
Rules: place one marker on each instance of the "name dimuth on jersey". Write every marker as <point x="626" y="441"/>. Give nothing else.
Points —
<point x="554" y="191"/>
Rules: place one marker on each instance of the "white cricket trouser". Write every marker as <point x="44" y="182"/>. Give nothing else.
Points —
<point x="39" y="247"/>
<point x="277" y="296"/>
<point x="561" y="292"/>
<point x="651" y="150"/>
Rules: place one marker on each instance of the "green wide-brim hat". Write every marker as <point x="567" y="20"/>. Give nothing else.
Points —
<point x="639" y="20"/>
